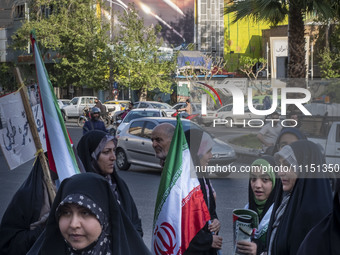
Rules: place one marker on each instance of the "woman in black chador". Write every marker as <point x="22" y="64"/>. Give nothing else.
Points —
<point x="324" y="238"/>
<point x="304" y="200"/>
<point x="86" y="218"/>
<point x="96" y="150"/>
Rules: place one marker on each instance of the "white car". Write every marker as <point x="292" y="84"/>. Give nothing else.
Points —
<point x="226" y="114"/>
<point x="62" y="102"/>
<point x="155" y="105"/>
<point x="206" y="119"/>
<point x="139" y="113"/>
<point x="76" y="106"/>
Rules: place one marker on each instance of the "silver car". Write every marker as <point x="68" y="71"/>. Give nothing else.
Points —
<point x="139" y="113"/>
<point x="155" y="105"/>
<point x="135" y="146"/>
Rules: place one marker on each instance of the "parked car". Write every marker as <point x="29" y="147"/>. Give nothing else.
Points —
<point x="63" y="102"/>
<point x="76" y="106"/>
<point x="206" y="119"/>
<point x="139" y="113"/>
<point x="329" y="140"/>
<point x="155" y="105"/>
<point x="226" y="114"/>
<point x="135" y="146"/>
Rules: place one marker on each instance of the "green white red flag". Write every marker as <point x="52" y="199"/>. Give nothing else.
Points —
<point x="61" y="156"/>
<point x="180" y="210"/>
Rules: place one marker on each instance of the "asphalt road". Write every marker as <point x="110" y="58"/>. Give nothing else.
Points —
<point x="143" y="184"/>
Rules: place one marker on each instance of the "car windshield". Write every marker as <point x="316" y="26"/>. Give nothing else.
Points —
<point x="160" y="106"/>
<point x="198" y="107"/>
<point x="74" y="101"/>
<point x="140" y="114"/>
<point x="186" y="124"/>
<point x="125" y="105"/>
<point x="178" y="106"/>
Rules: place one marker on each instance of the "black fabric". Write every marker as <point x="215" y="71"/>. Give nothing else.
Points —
<point x="201" y="243"/>
<point x="93" y="124"/>
<point x="87" y="144"/>
<point x="124" y="238"/>
<point x="288" y="130"/>
<point x="324" y="238"/>
<point x="24" y="209"/>
<point x="261" y="245"/>
<point x="309" y="203"/>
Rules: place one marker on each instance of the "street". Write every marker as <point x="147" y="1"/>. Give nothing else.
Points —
<point x="143" y="184"/>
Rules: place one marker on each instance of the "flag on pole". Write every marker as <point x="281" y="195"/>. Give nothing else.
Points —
<point x="180" y="210"/>
<point x="60" y="153"/>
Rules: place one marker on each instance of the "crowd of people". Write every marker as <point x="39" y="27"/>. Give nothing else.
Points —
<point x="94" y="212"/>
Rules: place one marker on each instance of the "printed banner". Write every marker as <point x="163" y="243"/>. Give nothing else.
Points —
<point x="245" y="221"/>
<point x="16" y="139"/>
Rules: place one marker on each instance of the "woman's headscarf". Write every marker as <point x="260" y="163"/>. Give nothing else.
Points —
<point x="261" y="207"/>
<point x="309" y="202"/>
<point x="324" y="238"/>
<point x="89" y="148"/>
<point x="195" y="138"/>
<point x="201" y="243"/>
<point x="103" y="244"/>
<point x="288" y="130"/>
<point x="124" y="239"/>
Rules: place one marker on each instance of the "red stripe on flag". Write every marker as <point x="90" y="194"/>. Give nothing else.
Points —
<point x="195" y="215"/>
<point x="50" y="157"/>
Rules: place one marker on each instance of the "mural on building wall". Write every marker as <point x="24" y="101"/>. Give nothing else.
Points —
<point x="242" y="38"/>
<point x="175" y="16"/>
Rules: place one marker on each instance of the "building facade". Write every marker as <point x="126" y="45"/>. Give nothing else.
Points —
<point x="209" y="26"/>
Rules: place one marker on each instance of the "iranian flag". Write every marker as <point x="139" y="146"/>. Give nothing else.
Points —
<point x="61" y="156"/>
<point x="180" y="210"/>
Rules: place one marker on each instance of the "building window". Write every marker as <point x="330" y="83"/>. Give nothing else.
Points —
<point x="46" y="10"/>
<point x="19" y="12"/>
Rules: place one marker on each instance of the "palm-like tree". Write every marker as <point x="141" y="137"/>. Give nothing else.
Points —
<point x="275" y="11"/>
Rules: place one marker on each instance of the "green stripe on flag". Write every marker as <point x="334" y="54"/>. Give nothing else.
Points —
<point x="65" y="163"/>
<point x="173" y="167"/>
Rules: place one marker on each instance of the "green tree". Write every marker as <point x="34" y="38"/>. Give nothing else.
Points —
<point x="75" y="30"/>
<point x="275" y="11"/>
<point x="247" y="66"/>
<point x="136" y="60"/>
<point x="7" y="81"/>
<point x="330" y="65"/>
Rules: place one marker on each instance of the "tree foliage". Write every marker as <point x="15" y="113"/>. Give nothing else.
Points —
<point x="275" y="11"/>
<point x="330" y="65"/>
<point x="7" y="81"/>
<point x="209" y="68"/>
<point x="75" y="30"/>
<point x="136" y="60"/>
<point x="248" y="66"/>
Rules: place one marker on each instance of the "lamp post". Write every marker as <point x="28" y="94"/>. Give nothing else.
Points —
<point x="129" y="87"/>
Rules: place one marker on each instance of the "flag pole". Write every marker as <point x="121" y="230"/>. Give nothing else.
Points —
<point x="35" y="135"/>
